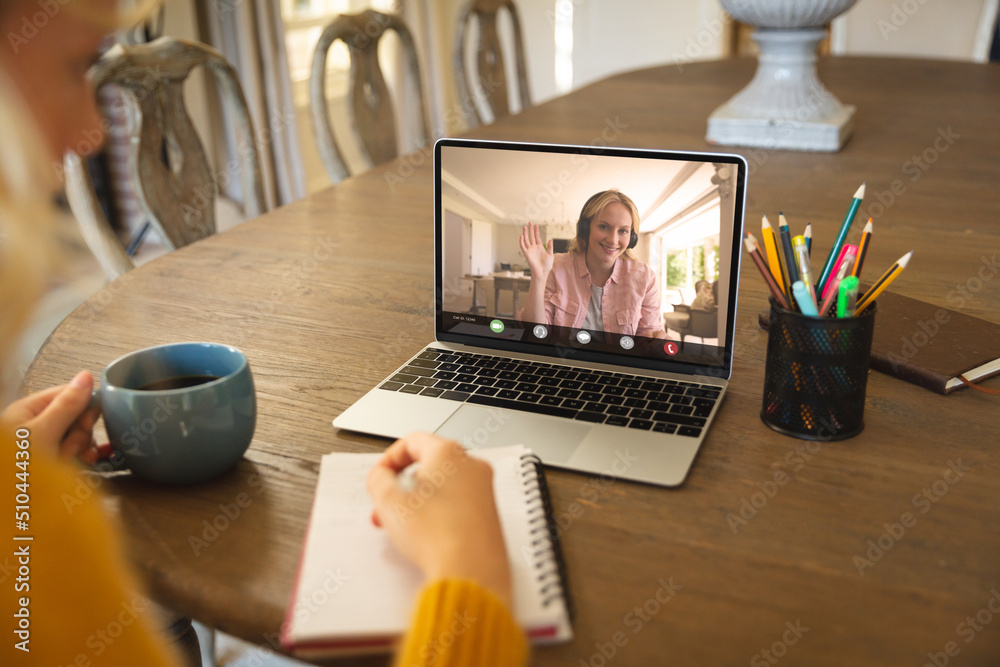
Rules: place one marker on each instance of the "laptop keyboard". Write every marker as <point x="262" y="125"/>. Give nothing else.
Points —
<point x="601" y="397"/>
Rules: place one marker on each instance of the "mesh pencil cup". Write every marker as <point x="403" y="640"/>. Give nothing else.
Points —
<point x="816" y="374"/>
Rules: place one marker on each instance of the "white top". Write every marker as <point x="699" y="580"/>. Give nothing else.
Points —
<point x="595" y="318"/>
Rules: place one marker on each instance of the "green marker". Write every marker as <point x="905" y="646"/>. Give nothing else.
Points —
<point x="847" y="297"/>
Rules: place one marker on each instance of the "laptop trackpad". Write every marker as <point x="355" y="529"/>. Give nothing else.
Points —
<point x="552" y="439"/>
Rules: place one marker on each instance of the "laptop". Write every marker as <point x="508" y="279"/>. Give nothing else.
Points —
<point x="614" y="400"/>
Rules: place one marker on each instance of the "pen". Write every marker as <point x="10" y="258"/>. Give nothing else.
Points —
<point x="866" y="239"/>
<point x="773" y="259"/>
<point x="847" y="299"/>
<point x="835" y="250"/>
<point x="806" y="304"/>
<point x="754" y="250"/>
<point x="805" y="270"/>
<point x="848" y="251"/>
<point x="883" y="282"/>
<point x="407" y="478"/>
<point x="834" y="284"/>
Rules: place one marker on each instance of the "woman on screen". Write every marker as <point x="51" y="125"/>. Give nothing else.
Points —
<point x="599" y="284"/>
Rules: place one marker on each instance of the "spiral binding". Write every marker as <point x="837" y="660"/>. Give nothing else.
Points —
<point x="548" y="549"/>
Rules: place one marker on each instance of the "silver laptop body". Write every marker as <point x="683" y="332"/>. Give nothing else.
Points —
<point x="664" y="392"/>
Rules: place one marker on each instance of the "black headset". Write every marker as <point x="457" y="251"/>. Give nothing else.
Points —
<point x="583" y="226"/>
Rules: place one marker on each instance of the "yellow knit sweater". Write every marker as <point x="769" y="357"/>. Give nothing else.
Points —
<point x="70" y="599"/>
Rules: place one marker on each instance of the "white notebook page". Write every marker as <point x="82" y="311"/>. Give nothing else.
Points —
<point x="354" y="584"/>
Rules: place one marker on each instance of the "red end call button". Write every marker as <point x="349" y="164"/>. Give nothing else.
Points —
<point x="670" y="347"/>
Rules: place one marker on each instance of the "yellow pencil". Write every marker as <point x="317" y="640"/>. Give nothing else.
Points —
<point x="859" y="261"/>
<point x="773" y="259"/>
<point x="883" y="282"/>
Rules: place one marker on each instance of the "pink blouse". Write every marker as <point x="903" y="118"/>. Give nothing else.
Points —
<point x="631" y="303"/>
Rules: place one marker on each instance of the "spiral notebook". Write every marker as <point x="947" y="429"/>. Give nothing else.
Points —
<point x="355" y="593"/>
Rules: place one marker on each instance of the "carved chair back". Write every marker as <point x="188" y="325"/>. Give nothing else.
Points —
<point x="168" y="168"/>
<point x="369" y="102"/>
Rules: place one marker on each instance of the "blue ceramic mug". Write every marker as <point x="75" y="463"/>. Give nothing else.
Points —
<point x="180" y="413"/>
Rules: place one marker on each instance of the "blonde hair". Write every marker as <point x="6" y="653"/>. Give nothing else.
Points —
<point x="593" y="208"/>
<point x="26" y="215"/>
<point x="28" y="218"/>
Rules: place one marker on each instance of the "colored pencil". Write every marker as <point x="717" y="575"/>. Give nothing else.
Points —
<point x="866" y="238"/>
<point x="773" y="258"/>
<point x="883" y="282"/>
<point x="786" y="248"/>
<point x="772" y="285"/>
<point x="837" y="266"/>
<point x="808" y="234"/>
<point x="834" y="283"/>
<point x="828" y="267"/>
<point x="786" y="283"/>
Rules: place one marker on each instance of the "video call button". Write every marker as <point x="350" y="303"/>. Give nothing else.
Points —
<point x="583" y="337"/>
<point x="671" y="348"/>
<point x="540" y="331"/>
<point x="496" y="326"/>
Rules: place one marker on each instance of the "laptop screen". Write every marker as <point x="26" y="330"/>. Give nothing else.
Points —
<point x="622" y="256"/>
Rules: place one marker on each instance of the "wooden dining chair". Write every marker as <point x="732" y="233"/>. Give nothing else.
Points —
<point x="491" y="75"/>
<point x="369" y="102"/>
<point x="168" y="169"/>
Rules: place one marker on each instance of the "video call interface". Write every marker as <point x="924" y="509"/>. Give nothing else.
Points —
<point x="592" y="251"/>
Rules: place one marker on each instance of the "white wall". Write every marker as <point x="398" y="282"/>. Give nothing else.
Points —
<point x="608" y="37"/>
<point x="948" y="29"/>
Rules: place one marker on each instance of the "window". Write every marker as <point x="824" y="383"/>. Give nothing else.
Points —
<point x="304" y="23"/>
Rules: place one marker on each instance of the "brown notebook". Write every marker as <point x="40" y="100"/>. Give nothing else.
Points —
<point x="929" y="345"/>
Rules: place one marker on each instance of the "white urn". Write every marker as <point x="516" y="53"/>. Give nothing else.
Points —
<point x="785" y="105"/>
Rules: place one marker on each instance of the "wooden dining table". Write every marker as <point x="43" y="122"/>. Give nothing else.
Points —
<point x="883" y="549"/>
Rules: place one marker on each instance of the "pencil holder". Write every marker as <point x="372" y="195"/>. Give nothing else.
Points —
<point x="816" y="374"/>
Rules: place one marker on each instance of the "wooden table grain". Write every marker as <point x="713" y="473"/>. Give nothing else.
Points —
<point x="880" y="550"/>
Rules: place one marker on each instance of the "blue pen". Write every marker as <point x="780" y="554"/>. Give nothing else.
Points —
<point x="802" y="297"/>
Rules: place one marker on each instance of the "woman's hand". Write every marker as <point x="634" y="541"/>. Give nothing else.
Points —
<point x="447" y="524"/>
<point x="58" y="418"/>
<point x="539" y="255"/>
